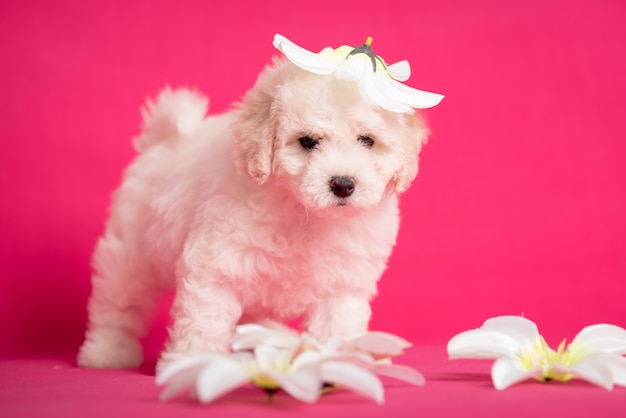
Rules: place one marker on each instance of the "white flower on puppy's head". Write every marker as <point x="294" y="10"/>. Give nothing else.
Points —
<point x="376" y="80"/>
<point x="595" y="354"/>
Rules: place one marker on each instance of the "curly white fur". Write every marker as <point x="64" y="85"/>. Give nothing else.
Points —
<point x="187" y="217"/>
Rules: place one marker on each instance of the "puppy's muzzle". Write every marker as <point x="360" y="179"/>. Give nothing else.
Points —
<point x="342" y="186"/>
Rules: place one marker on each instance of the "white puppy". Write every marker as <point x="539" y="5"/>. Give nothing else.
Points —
<point x="308" y="237"/>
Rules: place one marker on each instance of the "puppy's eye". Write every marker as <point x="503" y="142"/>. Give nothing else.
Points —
<point x="308" y="142"/>
<point x="366" y="140"/>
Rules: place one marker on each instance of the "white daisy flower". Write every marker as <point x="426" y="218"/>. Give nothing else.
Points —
<point x="275" y="358"/>
<point x="376" y="80"/>
<point x="595" y="354"/>
<point x="211" y="375"/>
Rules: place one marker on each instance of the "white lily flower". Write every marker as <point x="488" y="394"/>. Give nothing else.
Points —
<point x="376" y="80"/>
<point x="595" y="354"/>
<point x="275" y="358"/>
<point x="371" y="351"/>
<point x="209" y="376"/>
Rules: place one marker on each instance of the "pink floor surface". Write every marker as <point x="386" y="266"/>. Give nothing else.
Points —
<point x="55" y="387"/>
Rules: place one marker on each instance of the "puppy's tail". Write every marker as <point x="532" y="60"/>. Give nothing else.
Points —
<point x="175" y="114"/>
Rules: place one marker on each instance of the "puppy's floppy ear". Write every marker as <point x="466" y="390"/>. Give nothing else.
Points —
<point x="414" y="136"/>
<point x="254" y="128"/>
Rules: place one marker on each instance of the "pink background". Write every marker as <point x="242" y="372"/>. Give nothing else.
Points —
<point x="519" y="207"/>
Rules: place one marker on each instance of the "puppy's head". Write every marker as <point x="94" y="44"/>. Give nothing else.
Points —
<point x="319" y="136"/>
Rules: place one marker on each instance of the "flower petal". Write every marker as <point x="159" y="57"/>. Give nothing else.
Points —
<point x="359" y="69"/>
<point x="323" y="63"/>
<point x="355" y="68"/>
<point x="249" y="336"/>
<point x="333" y="344"/>
<point x="594" y="368"/>
<point x="617" y="364"/>
<point x="372" y="84"/>
<point x="400" y="70"/>
<point x="414" y="98"/>
<point x="187" y="363"/>
<point x="268" y="356"/>
<point x="506" y="372"/>
<point x="404" y="373"/>
<point x="306" y="358"/>
<point x="249" y="328"/>
<point x="353" y="377"/>
<point x="482" y="343"/>
<point x="381" y="344"/>
<point x="218" y="378"/>
<point x="181" y="375"/>
<point x="605" y="338"/>
<point x="523" y="330"/>
<point x="304" y="384"/>
<point x="356" y="357"/>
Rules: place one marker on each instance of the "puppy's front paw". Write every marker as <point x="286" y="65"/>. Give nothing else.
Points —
<point x="110" y="350"/>
<point x="168" y="358"/>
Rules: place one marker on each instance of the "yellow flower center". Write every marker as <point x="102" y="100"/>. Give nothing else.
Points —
<point x="541" y="355"/>
<point x="265" y="382"/>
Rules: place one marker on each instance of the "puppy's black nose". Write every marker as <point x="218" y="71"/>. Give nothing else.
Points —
<point x="342" y="186"/>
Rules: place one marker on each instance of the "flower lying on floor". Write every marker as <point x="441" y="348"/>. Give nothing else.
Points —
<point x="377" y="80"/>
<point x="595" y="354"/>
<point x="276" y="358"/>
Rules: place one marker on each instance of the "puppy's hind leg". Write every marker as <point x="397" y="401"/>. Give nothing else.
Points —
<point x="119" y="308"/>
